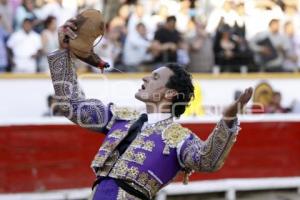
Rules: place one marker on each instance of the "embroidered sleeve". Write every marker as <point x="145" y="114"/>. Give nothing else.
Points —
<point x="70" y="99"/>
<point x="209" y="155"/>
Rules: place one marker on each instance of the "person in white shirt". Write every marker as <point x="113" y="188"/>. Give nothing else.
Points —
<point x="226" y="13"/>
<point x="138" y="16"/>
<point x="25" y="11"/>
<point x="292" y="60"/>
<point x="259" y="15"/>
<point x="109" y="48"/>
<point x="136" y="47"/>
<point x="270" y="47"/>
<point x="26" y="46"/>
<point x="56" y="8"/>
<point x="49" y="41"/>
<point x="6" y="12"/>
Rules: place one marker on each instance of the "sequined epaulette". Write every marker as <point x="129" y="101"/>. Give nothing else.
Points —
<point x="124" y="113"/>
<point x="173" y="135"/>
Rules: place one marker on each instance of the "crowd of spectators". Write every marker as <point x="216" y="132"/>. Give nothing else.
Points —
<point x="203" y="35"/>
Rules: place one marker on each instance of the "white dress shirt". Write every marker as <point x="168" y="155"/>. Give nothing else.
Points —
<point x="24" y="46"/>
<point x="156" y="117"/>
<point x="135" y="49"/>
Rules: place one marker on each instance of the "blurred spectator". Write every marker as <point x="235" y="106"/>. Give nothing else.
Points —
<point x="225" y="49"/>
<point x="182" y="53"/>
<point x="270" y="47"/>
<point x="25" y="11"/>
<point x="138" y="16"/>
<point x="275" y="104"/>
<point x="120" y="22"/>
<point x="158" y="18"/>
<point x="183" y="15"/>
<point x="151" y="6"/>
<point x="3" y="49"/>
<point x="291" y="13"/>
<point x="243" y="54"/>
<point x="291" y="62"/>
<point x="111" y="8"/>
<point x="49" y="42"/>
<point x="6" y="12"/>
<point x="90" y="4"/>
<point x="15" y="4"/>
<point x="109" y="48"/>
<point x="26" y="46"/>
<point x="122" y="15"/>
<point x="226" y="13"/>
<point x="57" y="9"/>
<point x="240" y="23"/>
<point x="136" y="48"/>
<point x="201" y="51"/>
<point x="229" y="28"/>
<point x="169" y="38"/>
<point x="261" y="12"/>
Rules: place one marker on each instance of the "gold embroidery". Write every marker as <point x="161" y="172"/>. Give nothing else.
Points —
<point x="137" y="178"/>
<point x="130" y="155"/>
<point x="143" y="177"/>
<point x="117" y="134"/>
<point x="173" y="135"/>
<point x="109" y="146"/>
<point x="111" y="122"/>
<point x="138" y="142"/>
<point x="140" y="157"/>
<point x="123" y="195"/>
<point x="124" y="113"/>
<point x="109" y="163"/>
<point x="104" y="152"/>
<point x="99" y="159"/>
<point x="141" y="143"/>
<point x="105" y="145"/>
<point x="152" y="185"/>
<point x="149" y="145"/>
<point x="133" y="172"/>
<point x="157" y="127"/>
<point x="121" y="168"/>
<point x="208" y="155"/>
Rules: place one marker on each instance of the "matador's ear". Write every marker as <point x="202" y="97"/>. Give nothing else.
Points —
<point x="170" y="93"/>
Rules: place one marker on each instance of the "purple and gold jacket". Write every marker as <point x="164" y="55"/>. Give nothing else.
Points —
<point x="156" y="155"/>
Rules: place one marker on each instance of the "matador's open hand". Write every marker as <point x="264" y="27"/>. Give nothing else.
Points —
<point x="238" y="106"/>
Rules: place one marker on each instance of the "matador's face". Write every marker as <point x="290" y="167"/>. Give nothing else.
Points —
<point x="153" y="89"/>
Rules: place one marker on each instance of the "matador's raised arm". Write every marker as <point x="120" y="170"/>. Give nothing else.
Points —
<point x="209" y="155"/>
<point x="71" y="102"/>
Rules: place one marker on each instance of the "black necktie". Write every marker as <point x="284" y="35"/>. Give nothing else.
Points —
<point x="134" y="129"/>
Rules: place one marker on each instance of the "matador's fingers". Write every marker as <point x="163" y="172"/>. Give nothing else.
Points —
<point x="70" y="33"/>
<point x="245" y="96"/>
<point x="71" y="24"/>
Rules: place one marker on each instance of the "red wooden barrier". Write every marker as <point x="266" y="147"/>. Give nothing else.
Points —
<point x="44" y="157"/>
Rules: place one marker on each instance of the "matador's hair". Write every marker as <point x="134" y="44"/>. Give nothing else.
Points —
<point x="180" y="81"/>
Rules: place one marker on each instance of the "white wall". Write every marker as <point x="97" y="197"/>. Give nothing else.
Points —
<point x="27" y="97"/>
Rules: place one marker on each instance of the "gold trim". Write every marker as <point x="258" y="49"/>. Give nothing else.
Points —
<point x="173" y="135"/>
<point x="124" y="113"/>
<point x="4" y="76"/>
<point x="123" y="195"/>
